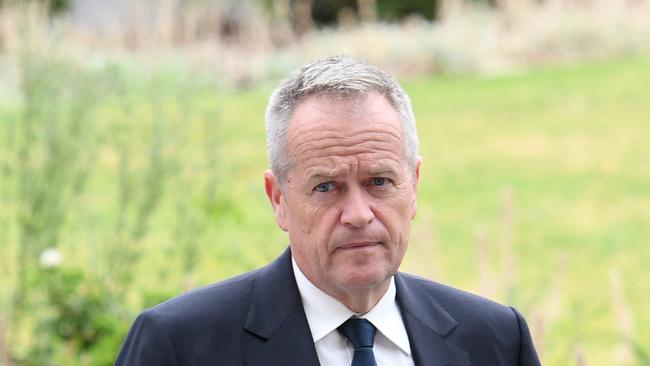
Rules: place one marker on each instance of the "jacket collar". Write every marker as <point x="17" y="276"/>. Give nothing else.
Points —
<point x="428" y="324"/>
<point x="276" y="315"/>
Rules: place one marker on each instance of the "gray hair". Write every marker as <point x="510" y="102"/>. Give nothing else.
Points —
<point x="337" y="76"/>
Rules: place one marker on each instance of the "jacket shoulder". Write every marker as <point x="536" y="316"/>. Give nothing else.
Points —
<point x="458" y="301"/>
<point x="490" y="333"/>
<point x="209" y="302"/>
<point x="192" y="328"/>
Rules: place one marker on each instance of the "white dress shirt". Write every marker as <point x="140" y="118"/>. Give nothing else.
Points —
<point x="325" y="314"/>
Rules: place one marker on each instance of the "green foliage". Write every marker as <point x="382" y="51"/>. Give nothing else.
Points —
<point x="326" y="12"/>
<point x="395" y="10"/>
<point x="52" y="150"/>
<point x="53" y="6"/>
<point x="79" y="316"/>
<point x="71" y="119"/>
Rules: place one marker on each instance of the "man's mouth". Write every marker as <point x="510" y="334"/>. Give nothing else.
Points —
<point x="359" y="245"/>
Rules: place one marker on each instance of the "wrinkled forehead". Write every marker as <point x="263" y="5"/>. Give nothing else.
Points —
<point x="323" y="126"/>
<point x="374" y="164"/>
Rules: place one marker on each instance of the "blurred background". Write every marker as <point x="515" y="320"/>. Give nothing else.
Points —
<point x="132" y="151"/>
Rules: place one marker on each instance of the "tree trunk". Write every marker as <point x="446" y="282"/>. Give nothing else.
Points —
<point x="447" y="8"/>
<point x="304" y="22"/>
<point x="368" y="10"/>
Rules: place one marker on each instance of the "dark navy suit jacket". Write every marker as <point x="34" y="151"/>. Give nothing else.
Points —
<point x="257" y="319"/>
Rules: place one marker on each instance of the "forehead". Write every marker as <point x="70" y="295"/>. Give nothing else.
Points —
<point x="332" y="132"/>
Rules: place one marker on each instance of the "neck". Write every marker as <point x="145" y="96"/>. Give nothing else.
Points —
<point x="359" y="299"/>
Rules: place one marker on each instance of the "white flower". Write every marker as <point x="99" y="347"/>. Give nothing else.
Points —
<point x="51" y="257"/>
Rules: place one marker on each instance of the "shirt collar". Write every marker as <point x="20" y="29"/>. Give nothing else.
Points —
<point x="324" y="313"/>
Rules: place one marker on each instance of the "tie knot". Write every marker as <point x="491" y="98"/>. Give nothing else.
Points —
<point x="360" y="332"/>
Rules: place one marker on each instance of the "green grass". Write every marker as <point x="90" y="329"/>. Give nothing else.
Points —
<point x="552" y="166"/>
<point x="572" y="145"/>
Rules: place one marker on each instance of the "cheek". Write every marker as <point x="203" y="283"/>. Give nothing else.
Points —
<point x="319" y="225"/>
<point x="309" y="221"/>
<point x="306" y="229"/>
<point x="396" y="213"/>
<point x="401" y="201"/>
<point x="305" y="219"/>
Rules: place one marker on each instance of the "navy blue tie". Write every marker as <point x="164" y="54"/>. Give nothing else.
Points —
<point x="361" y="334"/>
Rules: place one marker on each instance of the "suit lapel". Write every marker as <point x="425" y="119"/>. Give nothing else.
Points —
<point x="277" y="317"/>
<point x="427" y="325"/>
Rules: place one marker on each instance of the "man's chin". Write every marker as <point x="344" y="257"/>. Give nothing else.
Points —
<point x="360" y="280"/>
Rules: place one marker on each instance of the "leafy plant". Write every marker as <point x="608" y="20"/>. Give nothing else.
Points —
<point x="81" y="321"/>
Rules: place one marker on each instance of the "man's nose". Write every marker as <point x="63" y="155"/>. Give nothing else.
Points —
<point x="356" y="211"/>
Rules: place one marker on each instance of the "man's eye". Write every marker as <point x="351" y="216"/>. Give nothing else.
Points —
<point x="378" y="182"/>
<point x="324" y="187"/>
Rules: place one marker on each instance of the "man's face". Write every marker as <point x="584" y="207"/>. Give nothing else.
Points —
<point x="349" y="196"/>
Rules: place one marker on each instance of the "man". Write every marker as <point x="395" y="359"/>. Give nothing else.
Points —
<point x="343" y="183"/>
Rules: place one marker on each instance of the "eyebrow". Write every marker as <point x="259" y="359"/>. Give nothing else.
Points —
<point x="323" y="175"/>
<point x="382" y="169"/>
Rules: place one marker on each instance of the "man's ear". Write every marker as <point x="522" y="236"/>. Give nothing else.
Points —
<point x="274" y="193"/>
<point x="416" y="180"/>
